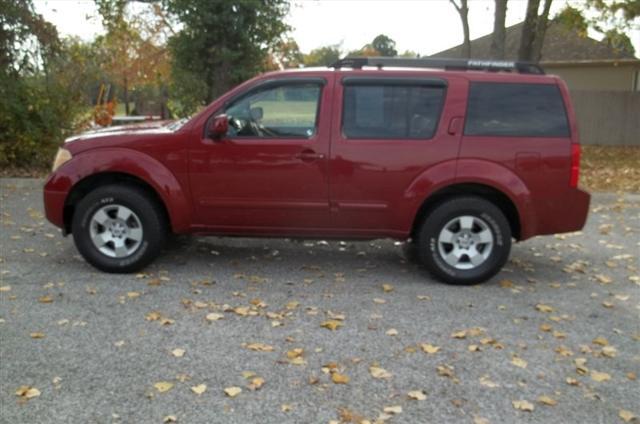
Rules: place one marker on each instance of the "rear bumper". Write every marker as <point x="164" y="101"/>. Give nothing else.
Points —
<point x="563" y="214"/>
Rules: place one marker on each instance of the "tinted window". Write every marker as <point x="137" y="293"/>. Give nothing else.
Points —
<point x="283" y="111"/>
<point x="391" y="111"/>
<point x="519" y="110"/>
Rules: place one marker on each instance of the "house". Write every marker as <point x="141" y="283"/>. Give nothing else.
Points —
<point x="584" y="63"/>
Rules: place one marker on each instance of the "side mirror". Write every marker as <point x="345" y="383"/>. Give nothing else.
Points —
<point x="218" y="127"/>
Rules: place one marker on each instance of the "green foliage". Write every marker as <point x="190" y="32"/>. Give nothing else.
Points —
<point x="221" y="44"/>
<point x="322" y="56"/>
<point x="41" y="81"/>
<point x="619" y="42"/>
<point x="573" y="19"/>
<point x="384" y="45"/>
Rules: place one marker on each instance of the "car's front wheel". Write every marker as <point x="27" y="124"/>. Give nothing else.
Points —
<point x="118" y="228"/>
<point x="464" y="240"/>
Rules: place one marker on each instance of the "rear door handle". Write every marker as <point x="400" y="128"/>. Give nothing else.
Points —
<point x="309" y="155"/>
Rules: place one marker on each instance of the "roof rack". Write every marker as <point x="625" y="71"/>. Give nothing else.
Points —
<point x="441" y="63"/>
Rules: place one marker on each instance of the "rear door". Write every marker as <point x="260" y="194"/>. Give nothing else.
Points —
<point x="387" y="131"/>
<point x="269" y="175"/>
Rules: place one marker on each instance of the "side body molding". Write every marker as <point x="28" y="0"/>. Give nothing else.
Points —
<point x="133" y="163"/>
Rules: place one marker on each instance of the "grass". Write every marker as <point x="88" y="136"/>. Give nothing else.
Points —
<point x="610" y="168"/>
<point x="603" y="168"/>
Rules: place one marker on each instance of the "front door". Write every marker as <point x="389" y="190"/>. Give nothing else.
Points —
<point x="269" y="174"/>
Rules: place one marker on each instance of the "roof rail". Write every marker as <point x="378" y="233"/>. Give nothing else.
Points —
<point x="441" y="63"/>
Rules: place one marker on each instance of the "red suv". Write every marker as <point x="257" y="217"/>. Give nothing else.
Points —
<point x="455" y="156"/>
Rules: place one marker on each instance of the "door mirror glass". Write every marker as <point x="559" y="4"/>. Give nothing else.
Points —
<point x="218" y="127"/>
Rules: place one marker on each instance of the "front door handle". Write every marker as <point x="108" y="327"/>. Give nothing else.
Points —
<point x="309" y="155"/>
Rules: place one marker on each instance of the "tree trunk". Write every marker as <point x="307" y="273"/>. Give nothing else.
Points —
<point x="126" y="96"/>
<point x="541" y="30"/>
<point x="463" y="11"/>
<point x="499" y="33"/>
<point x="529" y="31"/>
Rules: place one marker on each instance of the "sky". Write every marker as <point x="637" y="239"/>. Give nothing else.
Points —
<point x="422" y="26"/>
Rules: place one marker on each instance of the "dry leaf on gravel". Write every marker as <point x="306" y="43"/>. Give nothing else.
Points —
<point x="27" y="392"/>
<point x="519" y="362"/>
<point x="178" y="353"/>
<point x="331" y="324"/>
<point x="429" y="348"/>
<point x="523" y="405"/>
<point x="214" y="316"/>
<point x="338" y="378"/>
<point x="378" y="372"/>
<point x="546" y="400"/>
<point x="163" y="386"/>
<point x="232" y="391"/>
<point x="627" y="416"/>
<point x="199" y="389"/>
<point x="417" y="395"/>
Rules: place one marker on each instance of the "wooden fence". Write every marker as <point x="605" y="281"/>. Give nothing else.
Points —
<point x="610" y="118"/>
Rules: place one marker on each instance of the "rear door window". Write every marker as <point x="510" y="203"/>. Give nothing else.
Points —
<point x="516" y="110"/>
<point x="393" y="111"/>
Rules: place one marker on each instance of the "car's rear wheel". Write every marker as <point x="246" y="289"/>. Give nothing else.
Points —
<point x="118" y="228"/>
<point x="464" y="240"/>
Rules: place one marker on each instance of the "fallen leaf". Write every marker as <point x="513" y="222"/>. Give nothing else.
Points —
<point x="256" y="383"/>
<point x="485" y="381"/>
<point x="285" y="407"/>
<point x="199" y="389"/>
<point x="133" y="294"/>
<point x="519" y="362"/>
<point x="260" y="347"/>
<point x="163" y="386"/>
<point x="27" y="392"/>
<point x="45" y="299"/>
<point x="37" y="335"/>
<point x="600" y="341"/>
<point x="232" y="391"/>
<point x="392" y="332"/>
<point x="600" y="376"/>
<point x="459" y="334"/>
<point x="214" y="316"/>
<point x="396" y="409"/>
<point x="523" y="405"/>
<point x="609" y="351"/>
<point x="338" y="378"/>
<point x="626" y="416"/>
<point x="387" y="288"/>
<point x="331" y="324"/>
<point x="5" y="288"/>
<point x="546" y="400"/>
<point x="379" y="301"/>
<point x="544" y="308"/>
<point x="480" y="420"/>
<point x="417" y="395"/>
<point x="429" y="348"/>
<point x="170" y="419"/>
<point x="378" y="372"/>
<point x="178" y="353"/>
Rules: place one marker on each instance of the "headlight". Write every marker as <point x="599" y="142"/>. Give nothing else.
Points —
<point x="62" y="156"/>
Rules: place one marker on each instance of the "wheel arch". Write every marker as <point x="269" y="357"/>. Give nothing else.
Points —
<point x="494" y="195"/>
<point x="81" y="188"/>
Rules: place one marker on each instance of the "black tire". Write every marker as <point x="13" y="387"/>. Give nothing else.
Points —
<point x="447" y="212"/>
<point x="148" y="213"/>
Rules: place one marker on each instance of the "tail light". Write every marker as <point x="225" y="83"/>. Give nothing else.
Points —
<point x="575" y="165"/>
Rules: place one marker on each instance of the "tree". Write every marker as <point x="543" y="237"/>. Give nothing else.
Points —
<point x="533" y="31"/>
<point x="221" y="44"/>
<point x="322" y="56"/>
<point x="286" y="54"/>
<point x="499" y="33"/>
<point x="133" y="49"/>
<point x="384" y="45"/>
<point x="463" y="11"/>
<point x="573" y="20"/>
<point x="619" y="42"/>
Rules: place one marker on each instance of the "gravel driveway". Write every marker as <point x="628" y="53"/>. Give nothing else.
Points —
<point x="318" y="332"/>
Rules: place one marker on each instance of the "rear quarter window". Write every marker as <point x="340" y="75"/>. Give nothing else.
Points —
<point x="516" y="110"/>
